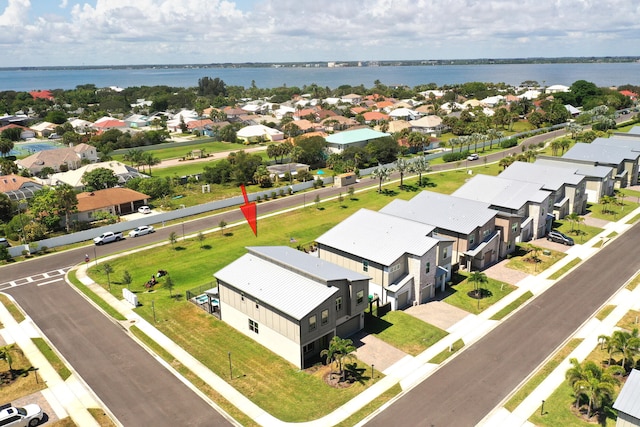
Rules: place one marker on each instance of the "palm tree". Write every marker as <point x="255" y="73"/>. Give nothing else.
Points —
<point x="150" y="160"/>
<point x="402" y="166"/>
<point x="420" y="166"/>
<point x="492" y="134"/>
<point x="477" y="278"/>
<point x="339" y="351"/>
<point x="555" y="147"/>
<point x="505" y="162"/>
<point x="67" y="201"/>
<point x="627" y="344"/>
<point x="565" y="144"/>
<point x="593" y="382"/>
<point x="134" y="156"/>
<point x="572" y="218"/>
<point x="5" y="354"/>
<point x="574" y="129"/>
<point x="381" y="173"/>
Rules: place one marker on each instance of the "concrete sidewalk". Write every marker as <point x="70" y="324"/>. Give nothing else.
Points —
<point x="408" y="371"/>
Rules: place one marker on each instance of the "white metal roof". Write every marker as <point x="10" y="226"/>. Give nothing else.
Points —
<point x="628" y="400"/>
<point x="552" y="178"/>
<point x="505" y="193"/>
<point x="443" y="211"/>
<point x="378" y="237"/>
<point x="276" y="286"/>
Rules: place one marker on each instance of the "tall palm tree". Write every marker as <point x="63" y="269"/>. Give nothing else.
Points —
<point x="67" y="202"/>
<point x="402" y="166"/>
<point x="627" y="344"/>
<point x="555" y="147"/>
<point x="477" y="278"/>
<point x="6" y="355"/>
<point x="505" y="162"/>
<point x="150" y="160"/>
<point x="593" y="382"/>
<point x="134" y="156"/>
<point x="381" y="173"/>
<point x="492" y="134"/>
<point x="572" y="218"/>
<point x="420" y="166"/>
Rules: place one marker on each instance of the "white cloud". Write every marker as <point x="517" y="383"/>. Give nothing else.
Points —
<point x="201" y="31"/>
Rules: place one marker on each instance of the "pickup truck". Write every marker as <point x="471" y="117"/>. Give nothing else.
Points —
<point x="108" y="237"/>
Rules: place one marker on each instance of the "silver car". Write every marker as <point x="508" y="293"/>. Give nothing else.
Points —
<point x="141" y="230"/>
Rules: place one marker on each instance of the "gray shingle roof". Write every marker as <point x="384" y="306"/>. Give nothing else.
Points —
<point x="628" y="400"/>
<point x="443" y="211"/>
<point x="551" y="178"/>
<point x="502" y="192"/>
<point x="600" y="154"/>
<point x="378" y="237"/>
<point x="305" y="263"/>
<point x="283" y="289"/>
<point x="631" y="143"/>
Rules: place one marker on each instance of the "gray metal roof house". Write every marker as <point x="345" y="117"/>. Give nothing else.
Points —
<point x="291" y="302"/>
<point x="628" y="402"/>
<point x="623" y="160"/>
<point x="599" y="179"/>
<point x="405" y="263"/>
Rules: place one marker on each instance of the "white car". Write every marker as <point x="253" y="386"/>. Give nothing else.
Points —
<point x="473" y="156"/>
<point x="30" y="415"/>
<point x="144" y="209"/>
<point x="141" y="231"/>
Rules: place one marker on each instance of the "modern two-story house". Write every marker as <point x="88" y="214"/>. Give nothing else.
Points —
<point x="406" y="264"/>
<point x="291" y="302"/>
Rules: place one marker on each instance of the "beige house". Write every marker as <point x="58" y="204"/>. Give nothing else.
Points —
<point x="59" y="159"/>
<point x="116" y="201"/>
<point x="291" y="302"/>
<point x="470" y="224"/>
<point x="406" y="265"/>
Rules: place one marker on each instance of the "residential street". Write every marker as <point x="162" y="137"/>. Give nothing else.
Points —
<point x="462" y="391"/>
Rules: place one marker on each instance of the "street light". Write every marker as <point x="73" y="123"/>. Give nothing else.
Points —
<point x="542" y="408"/>
<point x="230" y="368"/>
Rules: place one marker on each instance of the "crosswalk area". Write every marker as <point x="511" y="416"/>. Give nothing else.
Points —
<point x="40" y="279"/>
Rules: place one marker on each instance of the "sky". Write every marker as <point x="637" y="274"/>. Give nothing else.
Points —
<point x="134" y="32"/>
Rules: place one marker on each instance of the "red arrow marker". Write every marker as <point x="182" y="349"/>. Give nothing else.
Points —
<point x="249" y="211"/>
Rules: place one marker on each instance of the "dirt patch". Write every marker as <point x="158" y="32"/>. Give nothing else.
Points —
<point x="331" y="376"/>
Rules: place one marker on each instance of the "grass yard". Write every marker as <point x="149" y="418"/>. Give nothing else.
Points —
<point x="24" y="383"/>
<point x="11" y="307"/>
<point x="634" y="283"/>
<point x="522" y="260"/>
<point x="613" y="211"/>
<point x="580" y="233"/>
<point x="558" y="407"/>
<point x="207" y="145"/>
<point x="630" y="321"/>
<point x="602" y="314"/>
<point x="370" y="407"/>
<point x="495" y="290"/>
<point x="543" y="373"/>
<point x="404" y="331"/>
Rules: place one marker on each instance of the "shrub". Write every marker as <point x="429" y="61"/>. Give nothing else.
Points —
<point x="454" y="157"/>
<point x="510" y="142"/>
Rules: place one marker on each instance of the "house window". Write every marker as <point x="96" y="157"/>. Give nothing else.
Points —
<point x="365" y="265"/>
<point x="338" y="303"/>
<point x="308" y="348"/>
<point x="445" y="253"/>
<point x="242" y="296"/>
<point x="312" y="322"/>
<point x="359" y="297"/>
<point x="253" y="326"/>
<point x="485" y="233"/>
<point x="472" y="239"/>
<point x="324" y="317"/>
<point x="427" y="268"/>
<point x="514" y="227"/>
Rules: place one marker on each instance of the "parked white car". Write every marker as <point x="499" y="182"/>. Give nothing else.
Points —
<point x="141" y="231"/>
<point x="144" y="209"/>
<point x="30" y="415"/>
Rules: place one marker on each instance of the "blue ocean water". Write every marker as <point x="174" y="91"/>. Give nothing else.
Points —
<point x="602" y="74"/>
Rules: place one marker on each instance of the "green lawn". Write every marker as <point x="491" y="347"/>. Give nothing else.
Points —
<point x="611" y="212"/>
<point x="523" y="261"/>
<point x="493" y="291"/>
<point x="445" y="354"/>
<point x="558" y="274"/>
<point x="630" y="321"/>
<point x="579" y="232"/>
<point x="207" y="145"/>
<point x="602" y="314"/>
<point x="512" y="306"/>
<point x="404" y="331"/>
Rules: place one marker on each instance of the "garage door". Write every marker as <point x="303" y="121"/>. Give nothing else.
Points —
<point x="349" y="327"/>
<point x="403" y="300"/>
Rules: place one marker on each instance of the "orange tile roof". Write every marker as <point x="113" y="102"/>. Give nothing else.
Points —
<point x="41" y="94"/>
<point x="13" y="182"/>
<point x="383" y="104"/>
<point x="358" y="110"/>
<point x="110" y="197"/>
<point x="375" y="115"/>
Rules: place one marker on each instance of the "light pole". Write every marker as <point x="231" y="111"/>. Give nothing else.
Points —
<point x="182" y="230"/>
<point x="230" y="368"/>
<point x="95" y="255"/>
<point x="542" y="408"/>
<point x="372" y="371"/>
<point x="153" y="309"/>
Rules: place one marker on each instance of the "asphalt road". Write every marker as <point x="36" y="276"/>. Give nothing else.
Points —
<point x="136" y="388"/>
<point x="464" y="390"/>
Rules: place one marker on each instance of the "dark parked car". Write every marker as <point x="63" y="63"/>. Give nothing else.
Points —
<point x="4" y="242"/>
<point x="558" y="237"/>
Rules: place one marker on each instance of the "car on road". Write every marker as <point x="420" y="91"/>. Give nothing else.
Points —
<point x="558" y="237"/>
<point x="144" y="209"/>
<point x="13" y="416"/>
<point x="473" y="156"/>
<point x="4" y="242"/>
<point x="108" y="237"/>
<point x="141" y="230"/>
